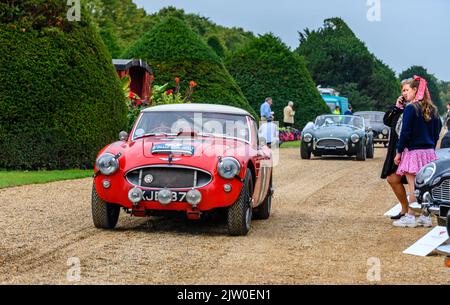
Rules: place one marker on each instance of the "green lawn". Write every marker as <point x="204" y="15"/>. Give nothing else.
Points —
<point x="293" y="144"/>
<point x="16" y="178"/>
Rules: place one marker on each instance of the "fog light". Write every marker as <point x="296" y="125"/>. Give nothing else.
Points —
<point x="106" y="184"/>
<point x="165" y="196"/>
<point x="227" y="188"/>
<point x="135" y="195"/>
<point x="194" y="197"/>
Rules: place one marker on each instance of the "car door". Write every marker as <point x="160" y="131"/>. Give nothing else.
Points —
<point x="263" y="166"/>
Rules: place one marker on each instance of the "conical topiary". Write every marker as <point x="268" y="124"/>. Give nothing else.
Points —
<point x="174" y="50"/>
<point x="60" y="97"/>
<point x="266" y="67"/>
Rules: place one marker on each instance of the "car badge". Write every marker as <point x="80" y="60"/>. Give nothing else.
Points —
<point x="148" y="178"/>
<point x="170" y="159"/>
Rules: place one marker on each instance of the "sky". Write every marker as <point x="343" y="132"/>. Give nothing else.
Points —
<point x="401" y="33"/>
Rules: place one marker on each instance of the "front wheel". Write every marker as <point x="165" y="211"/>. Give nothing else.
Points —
<point x="240" y="213"/>
<point x="370" y="149"/>
<point x="305" y="153"/>
<point x="105" y="215"/>
<point x="361" y="154"/>
<point x="448" y="222"/>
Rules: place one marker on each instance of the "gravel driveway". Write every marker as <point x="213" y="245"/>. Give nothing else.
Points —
<point x="327" y="222"/>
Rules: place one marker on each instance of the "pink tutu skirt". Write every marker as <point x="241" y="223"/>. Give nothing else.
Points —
<point x="413" y="160"/>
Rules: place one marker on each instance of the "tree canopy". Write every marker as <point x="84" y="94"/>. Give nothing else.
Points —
<point x="266" y="67"/>
<point x="337" y="58"/>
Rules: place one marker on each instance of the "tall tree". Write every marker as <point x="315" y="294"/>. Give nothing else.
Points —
<point x="266" y="67"/>
<point x="337" y="58"/>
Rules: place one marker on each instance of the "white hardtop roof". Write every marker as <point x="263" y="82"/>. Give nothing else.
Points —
<point x="198" y="108"/>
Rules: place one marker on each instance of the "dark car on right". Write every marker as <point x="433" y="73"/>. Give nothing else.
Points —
<point x="374" y="119"/>
<point x="432" y="188"/>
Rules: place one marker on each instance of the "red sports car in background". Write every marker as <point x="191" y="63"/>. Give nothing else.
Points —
<point x="190" y="158"/>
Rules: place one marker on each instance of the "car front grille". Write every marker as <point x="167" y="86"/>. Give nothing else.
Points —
<point x="172" y="177"/>
<point x="330" y="143"/>
<point x="442" y="192"/>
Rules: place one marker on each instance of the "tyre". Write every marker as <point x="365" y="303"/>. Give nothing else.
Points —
<point x="370" y="149"/>
<point x="305" y="153"/>
<point x="104" y="214"/>
<point x="448" y="222"/>
<point x="361" y="154"/>
<point x="263" y="211"/>
<point x="239" y="216"/>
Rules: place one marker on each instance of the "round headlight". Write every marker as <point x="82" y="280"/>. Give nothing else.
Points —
<point x="194" y="197"/>
<point x="354" y="138"/>
<point x="107" y="164"/>
<point x="228" y="168"/>
<point x="135" y="195"/>
<point x="425" y="174"/>
<point x="307" y="137"/>
<point x="385" y="131"/>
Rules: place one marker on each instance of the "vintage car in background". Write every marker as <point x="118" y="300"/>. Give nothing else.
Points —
<point x="188" y="158"/>
<point x="374" y="119"/>
<point x="345" y="135"/>
<point x="432" y="188"/>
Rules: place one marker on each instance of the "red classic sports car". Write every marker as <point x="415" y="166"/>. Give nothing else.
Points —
<point x="189" y="158"/>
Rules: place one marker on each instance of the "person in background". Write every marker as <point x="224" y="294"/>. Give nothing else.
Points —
<point x="288" y="111"/>
<point x="389" y="171"/>
<point x="265" y="110"/>
<point x="447" y="117"/>
<point x="269" y="131"/>
<point x="337" y="110"/>
<point x="349" y="111"/>
<point x="419" y="134"/>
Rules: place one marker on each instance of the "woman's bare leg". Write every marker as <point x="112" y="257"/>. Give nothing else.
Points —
<point x="395" y="181"/>
<point x="411" y="180"/>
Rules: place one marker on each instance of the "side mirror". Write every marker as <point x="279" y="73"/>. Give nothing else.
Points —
<point x="123" y="136"/>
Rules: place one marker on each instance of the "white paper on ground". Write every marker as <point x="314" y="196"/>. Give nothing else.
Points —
<point x="394" y="211"/>
<point x="445" y="249"/>
<point x="429" y="242"/>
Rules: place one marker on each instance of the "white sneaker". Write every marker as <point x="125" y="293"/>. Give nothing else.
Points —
<point x="424" y="221"/>
<point x="406" y="221"/>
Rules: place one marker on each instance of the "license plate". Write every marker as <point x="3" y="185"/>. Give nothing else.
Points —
<point x="331" y="147"/>
<point x="152" y="195"/>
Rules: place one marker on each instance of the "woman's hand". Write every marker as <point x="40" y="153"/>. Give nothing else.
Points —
<point x="397" y="159"/>
<point x="400" y="102"/>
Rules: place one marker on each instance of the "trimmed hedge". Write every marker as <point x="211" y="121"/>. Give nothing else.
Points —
<point x="337" y="58"/>
<point x="266" y="67"/>
<point x="60" y="97"/>
<point x="174" y="50"/>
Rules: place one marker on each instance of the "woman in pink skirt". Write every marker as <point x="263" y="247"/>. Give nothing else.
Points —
<point x="419" y="135"/>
